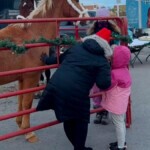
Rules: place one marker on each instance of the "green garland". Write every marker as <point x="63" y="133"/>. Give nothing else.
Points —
<point x="22" y="49"/>
<point x="57" y="41"/>
<point x="125" y="39"/>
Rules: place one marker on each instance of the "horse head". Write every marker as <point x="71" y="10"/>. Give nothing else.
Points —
<point x="59" y="8"/>
<point x="26" y="7"/>
<point x="72" y="8"/>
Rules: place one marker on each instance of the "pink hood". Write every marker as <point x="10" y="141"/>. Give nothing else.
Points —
<point x="120" y="72"/>
<point x="121" y="57"/>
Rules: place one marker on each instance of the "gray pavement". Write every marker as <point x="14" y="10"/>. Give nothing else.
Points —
<point x="53" y="138"/>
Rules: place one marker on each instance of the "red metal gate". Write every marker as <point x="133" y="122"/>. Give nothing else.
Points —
<point x="122" y="22"/>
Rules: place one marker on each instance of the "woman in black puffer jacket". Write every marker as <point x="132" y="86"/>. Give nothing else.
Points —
<point x="67" y="92"/>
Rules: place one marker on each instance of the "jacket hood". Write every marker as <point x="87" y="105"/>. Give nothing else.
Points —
<point x="93" y="47"/>
<point x="102" y="43"/>
<point x="121" y="57"/>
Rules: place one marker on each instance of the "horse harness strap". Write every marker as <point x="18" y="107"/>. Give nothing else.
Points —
<point x="81" y="13"/>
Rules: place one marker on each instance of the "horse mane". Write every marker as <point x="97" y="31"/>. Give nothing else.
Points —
<point x="41" y="10"/>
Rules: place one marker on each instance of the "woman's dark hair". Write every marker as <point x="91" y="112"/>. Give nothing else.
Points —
<point x="102" y="24"/>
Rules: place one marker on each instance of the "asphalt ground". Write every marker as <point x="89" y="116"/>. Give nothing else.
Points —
<point x="99" y="136"/>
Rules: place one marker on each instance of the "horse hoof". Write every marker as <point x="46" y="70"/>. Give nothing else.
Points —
<point x="31" y="137"/>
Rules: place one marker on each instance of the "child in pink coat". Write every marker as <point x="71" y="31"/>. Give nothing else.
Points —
<point x="102" y="117"/>
<point x="115" y="99"/>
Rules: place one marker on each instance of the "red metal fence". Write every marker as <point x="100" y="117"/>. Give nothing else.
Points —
<point x="122" y="22"/>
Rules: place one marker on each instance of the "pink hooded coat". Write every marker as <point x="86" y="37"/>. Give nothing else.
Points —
<point x="115" y="99"/>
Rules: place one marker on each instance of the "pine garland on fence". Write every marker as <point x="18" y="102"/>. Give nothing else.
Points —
<point x="22" y="49"/>
<point x="122" y="38"/>
<point x="16" y="49"/>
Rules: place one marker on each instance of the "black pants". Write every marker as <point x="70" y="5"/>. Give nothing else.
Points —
<point x="47" y="74"/>
<point x="76" y="131"/>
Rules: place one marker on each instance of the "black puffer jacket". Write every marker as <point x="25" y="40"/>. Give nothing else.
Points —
<point x="68" y="90"/>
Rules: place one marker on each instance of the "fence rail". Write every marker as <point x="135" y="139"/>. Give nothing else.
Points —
<point x="121" y="22"/>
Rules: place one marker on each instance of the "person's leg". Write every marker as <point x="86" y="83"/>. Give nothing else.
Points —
<point x="76" y="131"/>
<point x="119" y="122"/>
<point x="80" y="135"/>
<point x="42" y="77"/>
<point x="69" y="128"/>
<point x="47" y="74"/>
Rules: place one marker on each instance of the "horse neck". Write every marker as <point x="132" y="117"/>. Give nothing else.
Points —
<point x="48" y="30"/>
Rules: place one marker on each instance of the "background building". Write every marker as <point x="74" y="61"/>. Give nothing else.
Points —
<point x="121" y="10"/>
<point x="137" y="13"/>
<point x="91" y="7"/>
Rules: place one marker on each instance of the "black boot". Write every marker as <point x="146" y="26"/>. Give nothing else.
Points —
<point x="101" y="118"/>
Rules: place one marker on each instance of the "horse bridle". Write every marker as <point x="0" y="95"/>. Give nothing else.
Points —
<point x="81" y="13"/>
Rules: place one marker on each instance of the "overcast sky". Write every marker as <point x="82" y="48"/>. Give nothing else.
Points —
<point x="107" y="3"/>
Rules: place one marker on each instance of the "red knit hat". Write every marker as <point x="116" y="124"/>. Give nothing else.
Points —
<point x="105" y="34"/>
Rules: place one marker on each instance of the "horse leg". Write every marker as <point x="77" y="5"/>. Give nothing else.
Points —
<point x="20" y="98"/>
<point x="27" y="104"/>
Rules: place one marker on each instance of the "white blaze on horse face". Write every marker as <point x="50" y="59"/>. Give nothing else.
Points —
<point x="24" y="4"/>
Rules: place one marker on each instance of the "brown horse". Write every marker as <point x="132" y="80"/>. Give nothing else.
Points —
<point x="26" y="7"/>
<point x="18" y="33"/>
